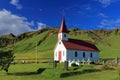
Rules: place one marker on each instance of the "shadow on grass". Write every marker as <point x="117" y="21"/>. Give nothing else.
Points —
<point x="67" y="74"/>
<point x="39" y="71"/>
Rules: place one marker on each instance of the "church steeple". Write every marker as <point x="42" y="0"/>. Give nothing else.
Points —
<point x="63" y="28"/>
<point x="63" y="32"/>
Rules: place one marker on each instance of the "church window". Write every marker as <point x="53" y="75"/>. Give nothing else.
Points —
<point x="63" y="53"/>
<point x="56" y="54"/>
<point x="76" y="54"/>
<point x="64" y="35"/>
<point x="83" y="54"/>
<point x="91" y="55"/>
<point x="59" y="42"/>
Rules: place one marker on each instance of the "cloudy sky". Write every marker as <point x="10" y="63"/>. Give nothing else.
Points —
<point x="18" y="16"/>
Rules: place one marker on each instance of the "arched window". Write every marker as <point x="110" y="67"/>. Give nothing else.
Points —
<point x="56" y="54"/>
<point x="76" y="54"/>
<point x="91" y="55"/>
<point x="83" y="54"/>
<point x="59" y="42"/>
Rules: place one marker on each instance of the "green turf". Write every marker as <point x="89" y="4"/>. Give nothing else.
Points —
<point x="28" y="45"/>
<point x="29" y="72"/>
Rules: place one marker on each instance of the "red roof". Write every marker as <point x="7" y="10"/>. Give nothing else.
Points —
<point x="80" y="45"/>
<point x="63" y="27"/>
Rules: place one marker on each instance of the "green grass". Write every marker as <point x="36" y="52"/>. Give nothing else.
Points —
<point x="26" y="48"/>
<point x="111" y="47"/>
<point x="28" y="45"/>
<point x="29" y="72"/>
<point x="49" y="43"/>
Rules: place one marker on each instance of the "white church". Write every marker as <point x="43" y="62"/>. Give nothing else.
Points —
<point x="74" y="50"/>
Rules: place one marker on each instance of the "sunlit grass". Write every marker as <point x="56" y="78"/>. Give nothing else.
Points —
<point x="30" y="72"/>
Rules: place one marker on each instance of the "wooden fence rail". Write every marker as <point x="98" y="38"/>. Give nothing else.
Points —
<point x="32" y="60"/>
<point x="50" y="60"/>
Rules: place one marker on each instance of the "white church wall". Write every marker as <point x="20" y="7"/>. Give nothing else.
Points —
<point x="60" y="47"/>
<point x="71" y="55"/>
<point x="61" y="36"/>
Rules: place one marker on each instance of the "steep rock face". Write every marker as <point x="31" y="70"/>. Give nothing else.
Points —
<point x="9" y="36"/>
<point x="6" y="40"/>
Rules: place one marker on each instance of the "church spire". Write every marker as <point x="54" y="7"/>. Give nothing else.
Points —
<point x="63" y="32"/>
<point x="63" y="28"/>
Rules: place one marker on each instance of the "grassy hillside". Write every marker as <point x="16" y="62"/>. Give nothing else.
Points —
<point x="24" y="45"/>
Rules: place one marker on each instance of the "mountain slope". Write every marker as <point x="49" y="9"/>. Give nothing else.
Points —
<point x="24" y="45"/>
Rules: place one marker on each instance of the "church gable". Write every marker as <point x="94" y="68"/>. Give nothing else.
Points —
<point x="60" y="52"/>
<point x="59" y="46"/>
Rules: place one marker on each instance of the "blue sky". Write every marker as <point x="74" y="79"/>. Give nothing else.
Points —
<point x="18" y="16"/>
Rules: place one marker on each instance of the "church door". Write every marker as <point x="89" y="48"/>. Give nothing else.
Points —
<point x="60" y="55"/>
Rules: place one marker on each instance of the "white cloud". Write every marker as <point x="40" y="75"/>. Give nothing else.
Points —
<point x="16" y="3"/>
<point x="41" y="25"/>
<point x="102" y="15"/>
<point x="106" y="3"/>
<point x="109" y="24"/>
<point x="11" y="23"/>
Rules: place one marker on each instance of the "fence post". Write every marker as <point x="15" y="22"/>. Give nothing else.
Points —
<point x="116" y="60"/>
<point x="103" y="62"/>
<point x="54" y="64"/>
<point x="66" y="65"/>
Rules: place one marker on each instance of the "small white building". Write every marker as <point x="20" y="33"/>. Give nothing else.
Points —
<point x="73" y="50"/>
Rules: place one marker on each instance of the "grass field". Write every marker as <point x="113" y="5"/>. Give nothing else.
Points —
<point x="26" y="49"/>
<point x="46" y="72"/>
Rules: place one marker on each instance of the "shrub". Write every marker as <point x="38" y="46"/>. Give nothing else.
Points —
<point x="74" y="65"/>
<point x="6" y="58"/>
<point x="104" y="67"/>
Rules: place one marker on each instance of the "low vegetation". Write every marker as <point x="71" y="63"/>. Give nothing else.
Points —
<point x="45" y="71"/>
